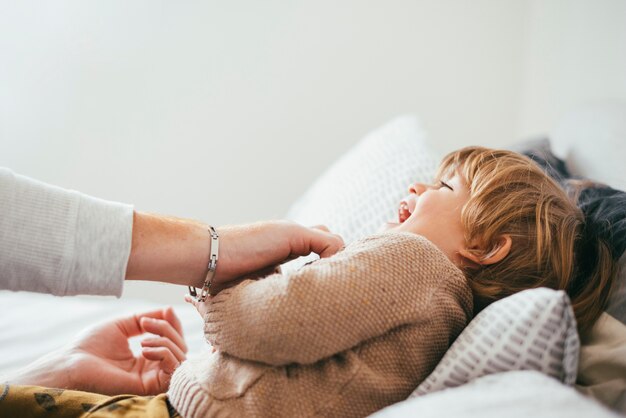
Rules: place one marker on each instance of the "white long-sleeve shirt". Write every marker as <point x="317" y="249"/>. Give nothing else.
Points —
<point x="59" y="241"/>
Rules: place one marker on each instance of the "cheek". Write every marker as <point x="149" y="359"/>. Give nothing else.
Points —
<point x="437" y="215"/>
<point x="427" y="207"/>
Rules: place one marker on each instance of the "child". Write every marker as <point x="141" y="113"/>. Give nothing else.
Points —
<point x="351" y="334"/>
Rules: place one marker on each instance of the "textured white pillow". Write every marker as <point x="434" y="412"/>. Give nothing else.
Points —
<point x="530" y="330"/>
<point x="361" y="190"/>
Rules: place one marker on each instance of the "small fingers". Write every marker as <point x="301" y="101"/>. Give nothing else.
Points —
<point x="192" y="300"/>
<point x="196" y="304"/>
<point x="202" y="307"/>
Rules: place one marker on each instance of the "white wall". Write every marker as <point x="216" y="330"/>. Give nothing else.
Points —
<point x="575" y="55"/>
<point x="227" y="111"/>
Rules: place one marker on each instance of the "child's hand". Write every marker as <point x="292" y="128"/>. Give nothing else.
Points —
<point x="201" y="307"/>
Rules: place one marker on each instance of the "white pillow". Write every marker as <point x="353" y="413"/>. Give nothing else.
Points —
<point x="362" y="189"/>
<point x="530" y="330"/>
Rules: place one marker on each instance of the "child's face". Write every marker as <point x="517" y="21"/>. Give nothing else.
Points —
<point x="434" y="211"/>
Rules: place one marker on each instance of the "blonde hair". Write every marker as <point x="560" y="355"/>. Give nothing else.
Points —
<point x="511" y="195"/>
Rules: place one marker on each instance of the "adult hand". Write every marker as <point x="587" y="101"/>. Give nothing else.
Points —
<point x="176" y="250"/>
<point x="256" y="249"/>
<point x="100" y="359"/>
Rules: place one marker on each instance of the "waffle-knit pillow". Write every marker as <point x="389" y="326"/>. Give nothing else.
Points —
<point x="530" y="330"/>
<point x="362" y="189"/>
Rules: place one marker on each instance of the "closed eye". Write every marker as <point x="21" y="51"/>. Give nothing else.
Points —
<point x="444" y="184"/>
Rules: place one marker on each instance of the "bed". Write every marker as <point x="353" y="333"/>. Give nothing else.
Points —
<point x="369" y="180"/>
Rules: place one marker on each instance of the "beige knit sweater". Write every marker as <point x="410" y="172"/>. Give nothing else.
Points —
<point x="342" y="337"/>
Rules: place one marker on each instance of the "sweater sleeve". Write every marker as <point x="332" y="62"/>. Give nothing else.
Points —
<point x="60" y="241"/>
<point x="371" y="287"/>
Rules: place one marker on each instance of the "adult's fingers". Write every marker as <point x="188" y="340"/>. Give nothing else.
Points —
<point x="321" y="227"/>
<point x="131" y="325"/>
<point x="164" y="342"/>
<point x="168" y="361"/>
<point x="167" y="364"/>
<point x="318" y="241"/>
<point x="170" y="316"/>
<point x="164" y="329"/>
<point x="259" y="274"/>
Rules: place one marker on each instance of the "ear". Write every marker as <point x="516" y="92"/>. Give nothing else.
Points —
<point x="501" y="250"/>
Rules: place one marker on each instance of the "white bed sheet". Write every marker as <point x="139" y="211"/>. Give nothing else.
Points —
<point x="518" y="394"/>
<point x="33" y="324"/>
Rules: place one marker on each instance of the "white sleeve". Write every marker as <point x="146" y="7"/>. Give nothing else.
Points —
<point x="59" y="241"/>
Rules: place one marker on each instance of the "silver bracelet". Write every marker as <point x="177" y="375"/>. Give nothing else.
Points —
<point x="206" y="287"/>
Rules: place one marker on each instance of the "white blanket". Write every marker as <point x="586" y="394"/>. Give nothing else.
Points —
<point x="519" y="394"/>
<point x="34" y="324"/>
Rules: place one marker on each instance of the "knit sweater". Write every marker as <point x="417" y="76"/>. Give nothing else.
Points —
<point x="59" y="241"/>
<point x="344" y="336"/>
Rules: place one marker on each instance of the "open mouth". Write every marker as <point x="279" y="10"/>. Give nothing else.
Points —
<point x="405" y="210"/>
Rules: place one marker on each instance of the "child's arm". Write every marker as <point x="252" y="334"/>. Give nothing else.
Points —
<point x="371" y="287"/>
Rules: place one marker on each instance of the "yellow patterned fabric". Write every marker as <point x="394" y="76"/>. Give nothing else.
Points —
<point x="35" y="402"/>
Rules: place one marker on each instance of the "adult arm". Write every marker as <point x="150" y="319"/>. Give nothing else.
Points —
<point x="63" y="242"/>
<point x="373" y="286"/>
<point x="59" y="241"/>
<point x="177" y="250"/>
